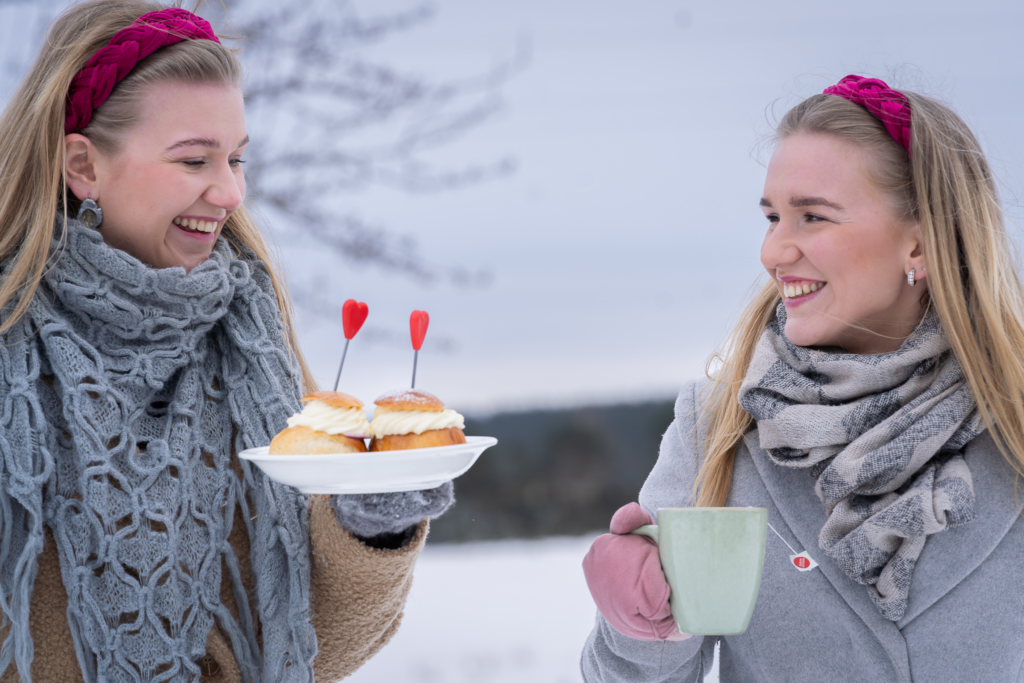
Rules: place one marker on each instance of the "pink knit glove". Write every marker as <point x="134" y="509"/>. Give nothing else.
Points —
<point x="624" y="576"/>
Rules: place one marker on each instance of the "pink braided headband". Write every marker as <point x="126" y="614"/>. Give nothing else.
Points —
<point x="92" y="85"/>
<point x="889" y="106"/>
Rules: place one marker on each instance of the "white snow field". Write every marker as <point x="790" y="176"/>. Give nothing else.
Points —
<point x="493" y="612"/>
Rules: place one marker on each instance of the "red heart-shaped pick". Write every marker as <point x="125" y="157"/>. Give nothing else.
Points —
<point x="418" y="322"/>
<point x="353" y="315"/>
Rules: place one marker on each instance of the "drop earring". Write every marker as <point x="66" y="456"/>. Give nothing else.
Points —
<point x="90" y="214"/>
<point x="910" y="278"/>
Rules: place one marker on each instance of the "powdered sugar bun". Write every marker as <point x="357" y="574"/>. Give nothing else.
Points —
<point x="410" y="399"/>
<point x="420" y="419"/>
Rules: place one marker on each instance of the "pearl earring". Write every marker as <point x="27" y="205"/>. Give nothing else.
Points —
<point x="910" y="278"/>
<point x="90" y="214"/>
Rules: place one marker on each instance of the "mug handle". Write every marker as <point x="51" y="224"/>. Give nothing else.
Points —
<point x="648" y="530"/>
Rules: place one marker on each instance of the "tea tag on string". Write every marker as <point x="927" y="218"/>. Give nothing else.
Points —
<point x="800" y="561"/>
<point x="803" y="562"/>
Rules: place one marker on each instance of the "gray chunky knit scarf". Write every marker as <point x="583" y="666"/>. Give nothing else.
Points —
<point x="883" y="434"/>
<point x="123" y="394"/>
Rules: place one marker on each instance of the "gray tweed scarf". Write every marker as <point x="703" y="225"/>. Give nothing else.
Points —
<point x="123" y="394"/>
<point x="883" y="434"/>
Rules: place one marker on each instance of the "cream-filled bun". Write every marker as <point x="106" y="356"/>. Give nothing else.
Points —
<point x="411" y="418"/>
<point x="330" y="422"/>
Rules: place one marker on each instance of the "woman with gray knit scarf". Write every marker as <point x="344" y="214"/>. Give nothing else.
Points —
<point x="145" y="340"/>
<point x="872" y="399"/>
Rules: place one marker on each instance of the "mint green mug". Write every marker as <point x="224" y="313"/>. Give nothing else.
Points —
<point x="712" y="559"/>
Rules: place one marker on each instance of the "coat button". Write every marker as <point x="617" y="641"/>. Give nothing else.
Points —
<point x="209" y="666"/>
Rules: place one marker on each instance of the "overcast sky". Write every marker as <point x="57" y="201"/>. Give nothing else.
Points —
<point x="625" y="243"/>
<point x="627" y="240"/>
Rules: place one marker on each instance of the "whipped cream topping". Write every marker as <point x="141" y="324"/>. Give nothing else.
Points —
<point x="389" y="422"/>
<point x="323" y="417"/>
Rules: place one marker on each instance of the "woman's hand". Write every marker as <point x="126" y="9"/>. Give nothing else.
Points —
<point x="387" y="520"/>
<point x="624" y="575"/>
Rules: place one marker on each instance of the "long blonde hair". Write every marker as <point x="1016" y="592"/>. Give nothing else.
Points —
<point x="32" y="156"/>
<point x="972" y="284"/>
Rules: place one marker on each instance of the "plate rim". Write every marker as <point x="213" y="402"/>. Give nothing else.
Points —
<point x="260" y="453"/>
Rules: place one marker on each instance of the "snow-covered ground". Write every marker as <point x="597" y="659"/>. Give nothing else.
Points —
<point x="495" y="612"/>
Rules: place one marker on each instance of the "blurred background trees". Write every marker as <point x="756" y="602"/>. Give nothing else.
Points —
<point x="554" y="472"/>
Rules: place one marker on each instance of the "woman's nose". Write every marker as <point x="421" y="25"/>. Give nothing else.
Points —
<point x="779" y="247"/>
<point x="227" y="189"/>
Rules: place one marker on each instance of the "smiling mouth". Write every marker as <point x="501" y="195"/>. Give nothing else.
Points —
<point x="192" y="225"/>
<point x="795" y="290"/>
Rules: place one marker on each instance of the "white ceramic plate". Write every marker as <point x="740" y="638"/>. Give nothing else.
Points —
<point x="380" y="472"/>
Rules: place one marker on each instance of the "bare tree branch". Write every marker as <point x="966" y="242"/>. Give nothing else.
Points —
<point x="328" y="121"/>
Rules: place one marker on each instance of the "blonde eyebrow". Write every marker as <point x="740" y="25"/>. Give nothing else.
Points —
<point x="797" y="202"/>
<point x="195" y="142"/>
<point x="209" y="143"/>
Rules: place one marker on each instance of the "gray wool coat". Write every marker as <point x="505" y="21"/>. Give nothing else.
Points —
<point x="964" y="622"/>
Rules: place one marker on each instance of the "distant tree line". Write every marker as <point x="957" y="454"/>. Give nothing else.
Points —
<point x="554" y="472"/>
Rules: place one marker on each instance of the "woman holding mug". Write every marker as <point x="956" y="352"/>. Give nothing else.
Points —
<point x="145" y="340"/>
<point x="872" y="399"/>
